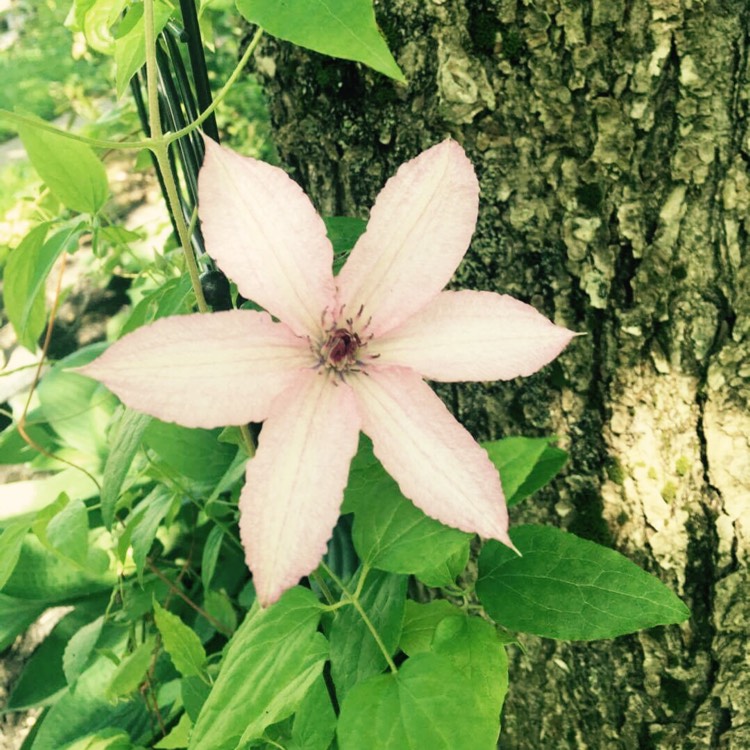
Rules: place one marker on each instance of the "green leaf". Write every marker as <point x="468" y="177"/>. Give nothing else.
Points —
<point x="27" y="267"/>
<point x="343" y="231"/>
<point x="180" y="642"/>
<point x="144" y="523"/>
<point x="341" y="29"/>
<point x="45" y="576"/>
<point x="355" y="655"/>
<point x="80" y="648"/>
<point x="420" y="623"/>
<point x="131" y="671"/>
<point x="107" y="739"/>
<point x="473" y="647"/>
<point x="194" y="692"/>
<point x="11" y="542"/>
<point x="85" y="709"/>
<point x="570" y="588"/>
<point x="549" y="465"/>
<point x="178" y="737"/>
<point x="70" y="169"/>
<point x="269" y="665"/>
<point x="97" y="22"/>
<point x="63" y="527"/>
<point x="43" y="677"/>
<point x="525" y="464"/>
<point x="130" y="45"/>
<point x="428" y="704"/>
<point x="77" y="408"/>
<point x="211" y="550"/>
<point x="390" y="532"/>
<point x="125" y="439"/>
<point x="315" y="721"/>
<point x="445" y="572"/>
<point x="173" y="297"/>
<point x="15" y="616"/>
<point x="219" y="606"/>
<point x="15" y="450"/>
<point x="194" y="453"/>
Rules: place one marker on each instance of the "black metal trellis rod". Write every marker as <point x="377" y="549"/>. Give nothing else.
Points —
<point x="180" y="101"/>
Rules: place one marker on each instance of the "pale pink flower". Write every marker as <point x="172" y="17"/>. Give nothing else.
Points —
<point x="345" y="354"/>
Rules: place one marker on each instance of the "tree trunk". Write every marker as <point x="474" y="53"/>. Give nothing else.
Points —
<point x="611" y="140"/>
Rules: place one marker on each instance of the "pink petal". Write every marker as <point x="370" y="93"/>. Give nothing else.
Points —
<point x="436" y="462"/>
<point x="266" y="236"/>
<point x="419" y="229"/>
<point x="471" y="335"/>
<point x="209" y="370"/>
<point x="295" y="483"/>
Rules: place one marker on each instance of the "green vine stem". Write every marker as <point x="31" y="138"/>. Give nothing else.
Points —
<point x="353" y="598"/>
<point x="160" y="149"/>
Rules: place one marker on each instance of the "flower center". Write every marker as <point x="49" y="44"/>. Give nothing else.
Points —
<point x="342" y="347"/>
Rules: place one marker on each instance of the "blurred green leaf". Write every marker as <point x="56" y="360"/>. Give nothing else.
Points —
<point x="79" y="649"/>
<point x="194" y="692"/>
<point x="85" y="709"/>
<point x="219" y="606"/>
<point x="63" y="527"/>
<point x="211" y="550"/>
<point x="429" y="703"/>
<point x="11" y="542"/>
<point x="173" y="297"/>
<point x="130" y="42"/>
<point x="15" y="616"/>
<point x="25" y="308"/>
<point x="144" y="522"/>
<point x="194" y="453"/>
<point x="45" y="576"/>
<point x="125" y="439"/>
<point x="343" y="231"/>
<point x="180" y="642"/>
<point x="77" y="408"/>
<point x="347" y="30"/>
<point x="107" y="739"/>
<point x="570" y="588"/>
<point x="15" y="450"/>
<point x="178" y="737"/>
<point x="269" y="665"/>
<point x="43" y="676"/>
<point x="131" y="671"/>
<point x="70" y="169"/>
<point x="95" y="18"/>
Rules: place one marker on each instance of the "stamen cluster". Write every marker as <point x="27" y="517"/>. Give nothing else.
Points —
<point x="344" y="340"/>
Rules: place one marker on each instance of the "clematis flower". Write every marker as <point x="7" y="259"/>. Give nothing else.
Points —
<point x="339" y="355"/>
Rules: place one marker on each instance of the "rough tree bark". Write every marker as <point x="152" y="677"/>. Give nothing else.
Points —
<point x="611" y="139"/>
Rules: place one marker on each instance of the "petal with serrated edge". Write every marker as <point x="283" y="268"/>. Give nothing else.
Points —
<point x="266" y="236"/>
<point x="203" y="370"/>
<point x="419" y="229"/>
<point x="469" y="335"/>
<point x="295" y="483"/>
<point x="436" y="462"/>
